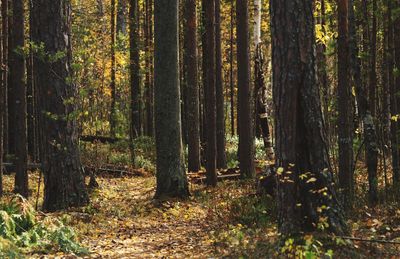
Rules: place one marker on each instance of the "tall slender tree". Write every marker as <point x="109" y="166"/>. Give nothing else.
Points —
<point x="301" y="153"/>
<point x="2" y="106"/>
<point x="231" y="79"/>
<point x="64" y="184"/>
<point x="113" y="86"/>
<point x="191" y="59"/>
<point x="135" y="127"/>
<point x="245" y="114"/>
<point x="17" y="101"/>
<point x="171" y="178"/>
<point x="121" y="17"/>
<point x="210" y="91"/>
<point x="345" y="115"/>
<point x="219" y="90"/>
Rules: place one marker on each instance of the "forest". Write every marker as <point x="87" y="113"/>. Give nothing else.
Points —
<point x="199" y="129"/>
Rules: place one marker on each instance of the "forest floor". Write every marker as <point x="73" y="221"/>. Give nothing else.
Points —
<point x="123" y="221"/>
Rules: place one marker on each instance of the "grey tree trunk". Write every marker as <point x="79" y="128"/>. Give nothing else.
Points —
<point x="64" y="184"/>
<point x="171" y="178"/>
<point x="245" y="114"/>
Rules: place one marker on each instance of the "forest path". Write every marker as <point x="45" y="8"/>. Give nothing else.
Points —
<point x="124" y="222"/>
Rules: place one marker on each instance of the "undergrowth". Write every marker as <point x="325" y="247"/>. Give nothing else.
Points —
<point x="23" y="231"/>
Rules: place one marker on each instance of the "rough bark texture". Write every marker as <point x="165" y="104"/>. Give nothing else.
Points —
<point x="305" y="182"/>
<point x="260" y="89"/>
<point x="193" y="114"/>
<point x="210" y="96"/>
<point x="232" y="87"/>
<point x="2" y="106"/>
<point x="245" y="114"/>
<point x="18" y="98"/>
<point x="345" y="115"/>
<point x="171" y="178"/>
<point x="113" y="111"/>
<point x="393" y="94"/>
<point x="134" y="69"/>
<point x="5" y="18"/>
<point x="370" y="137"/>
<point x="61" y="165"/>
<point x="219" y="90"/>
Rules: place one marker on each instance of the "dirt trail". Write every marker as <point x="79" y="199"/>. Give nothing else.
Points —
<point x="124" y="222"/>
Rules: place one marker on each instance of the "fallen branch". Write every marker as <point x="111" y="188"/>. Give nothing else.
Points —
<point x="370" y="240"/>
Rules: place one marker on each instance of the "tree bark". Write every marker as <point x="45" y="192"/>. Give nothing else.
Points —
<point x="2" y="105"/>
<point x="345" y="127"/>
<point x="232" y="87"/>
<point x="5" y="19"/>
<point x="121" y="17"/>
<point x="113" y="111"/>
<point x="61" y="165"/>
<point x="210" y="92"/>
<point x="191" y="59"/>
<point x="171" y="178"/>
<point x="18" y="97"/>
<point x="301" y="151"/>
<point x="245" y="114"/>
<point x="370" y="136"/>
<point x="219" y="86"/>
<point x="260" y="88"/>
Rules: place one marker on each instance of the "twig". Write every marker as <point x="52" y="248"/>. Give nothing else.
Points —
<point x="370" y="240"/>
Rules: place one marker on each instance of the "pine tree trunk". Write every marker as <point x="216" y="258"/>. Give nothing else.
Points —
<point x="370" y="136"/>
<point x="210" y="92"/>
<point x="121" y="17"/>
<point x="2" y="106"/>
<point x="260" y="89"/>
<point x="245" y="114"/>
<point x="393" y="94"/>
<point x="18" y="98"/>
<point x="301" y="151"/>
<point x="113" y="122"/>
<point x="345" y="126"/>
<point x="61" y="165"/>
<point x="231" y="79"/>
<point x="5" y="18"/>
<point x="171" y="178"/>
<point x="193" y="117"/>
<point x="135" y="127"/>
<point x="220" y="101"/>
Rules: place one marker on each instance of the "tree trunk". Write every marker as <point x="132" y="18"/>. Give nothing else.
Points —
<point x="193" y="117"/>
<point x="393" y="94"/>
<point x="210" y="91"/>
<point x="260" y="88"/>
<point x="2" y="105"/>
<point x="345" y="127"/>
<point x="171" y="178"/>
<point x="61" y="165"/>
<point x="301" y="151"/>
<point x="219" y="89"/>
<point x="113" y="122"/>
<point x="231" y="79"/>
<point x="135" y="127"/>
<point x="370" y="136"/>
<point x="245" y="114"/>
<point x="396" y="27"/>
<point x="18" y="100"/>
<point x="372" y="54"/>
<point x="121" y="17"/>
<point x="5" y="19"/>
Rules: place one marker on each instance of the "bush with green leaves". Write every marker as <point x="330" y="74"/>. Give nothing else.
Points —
<point x="22" y="231"/>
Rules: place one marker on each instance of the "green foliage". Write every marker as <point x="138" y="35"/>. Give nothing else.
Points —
<point x="22" y="232"/>
<point x="305" y="247"/>
<point x="251" y="211"/>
